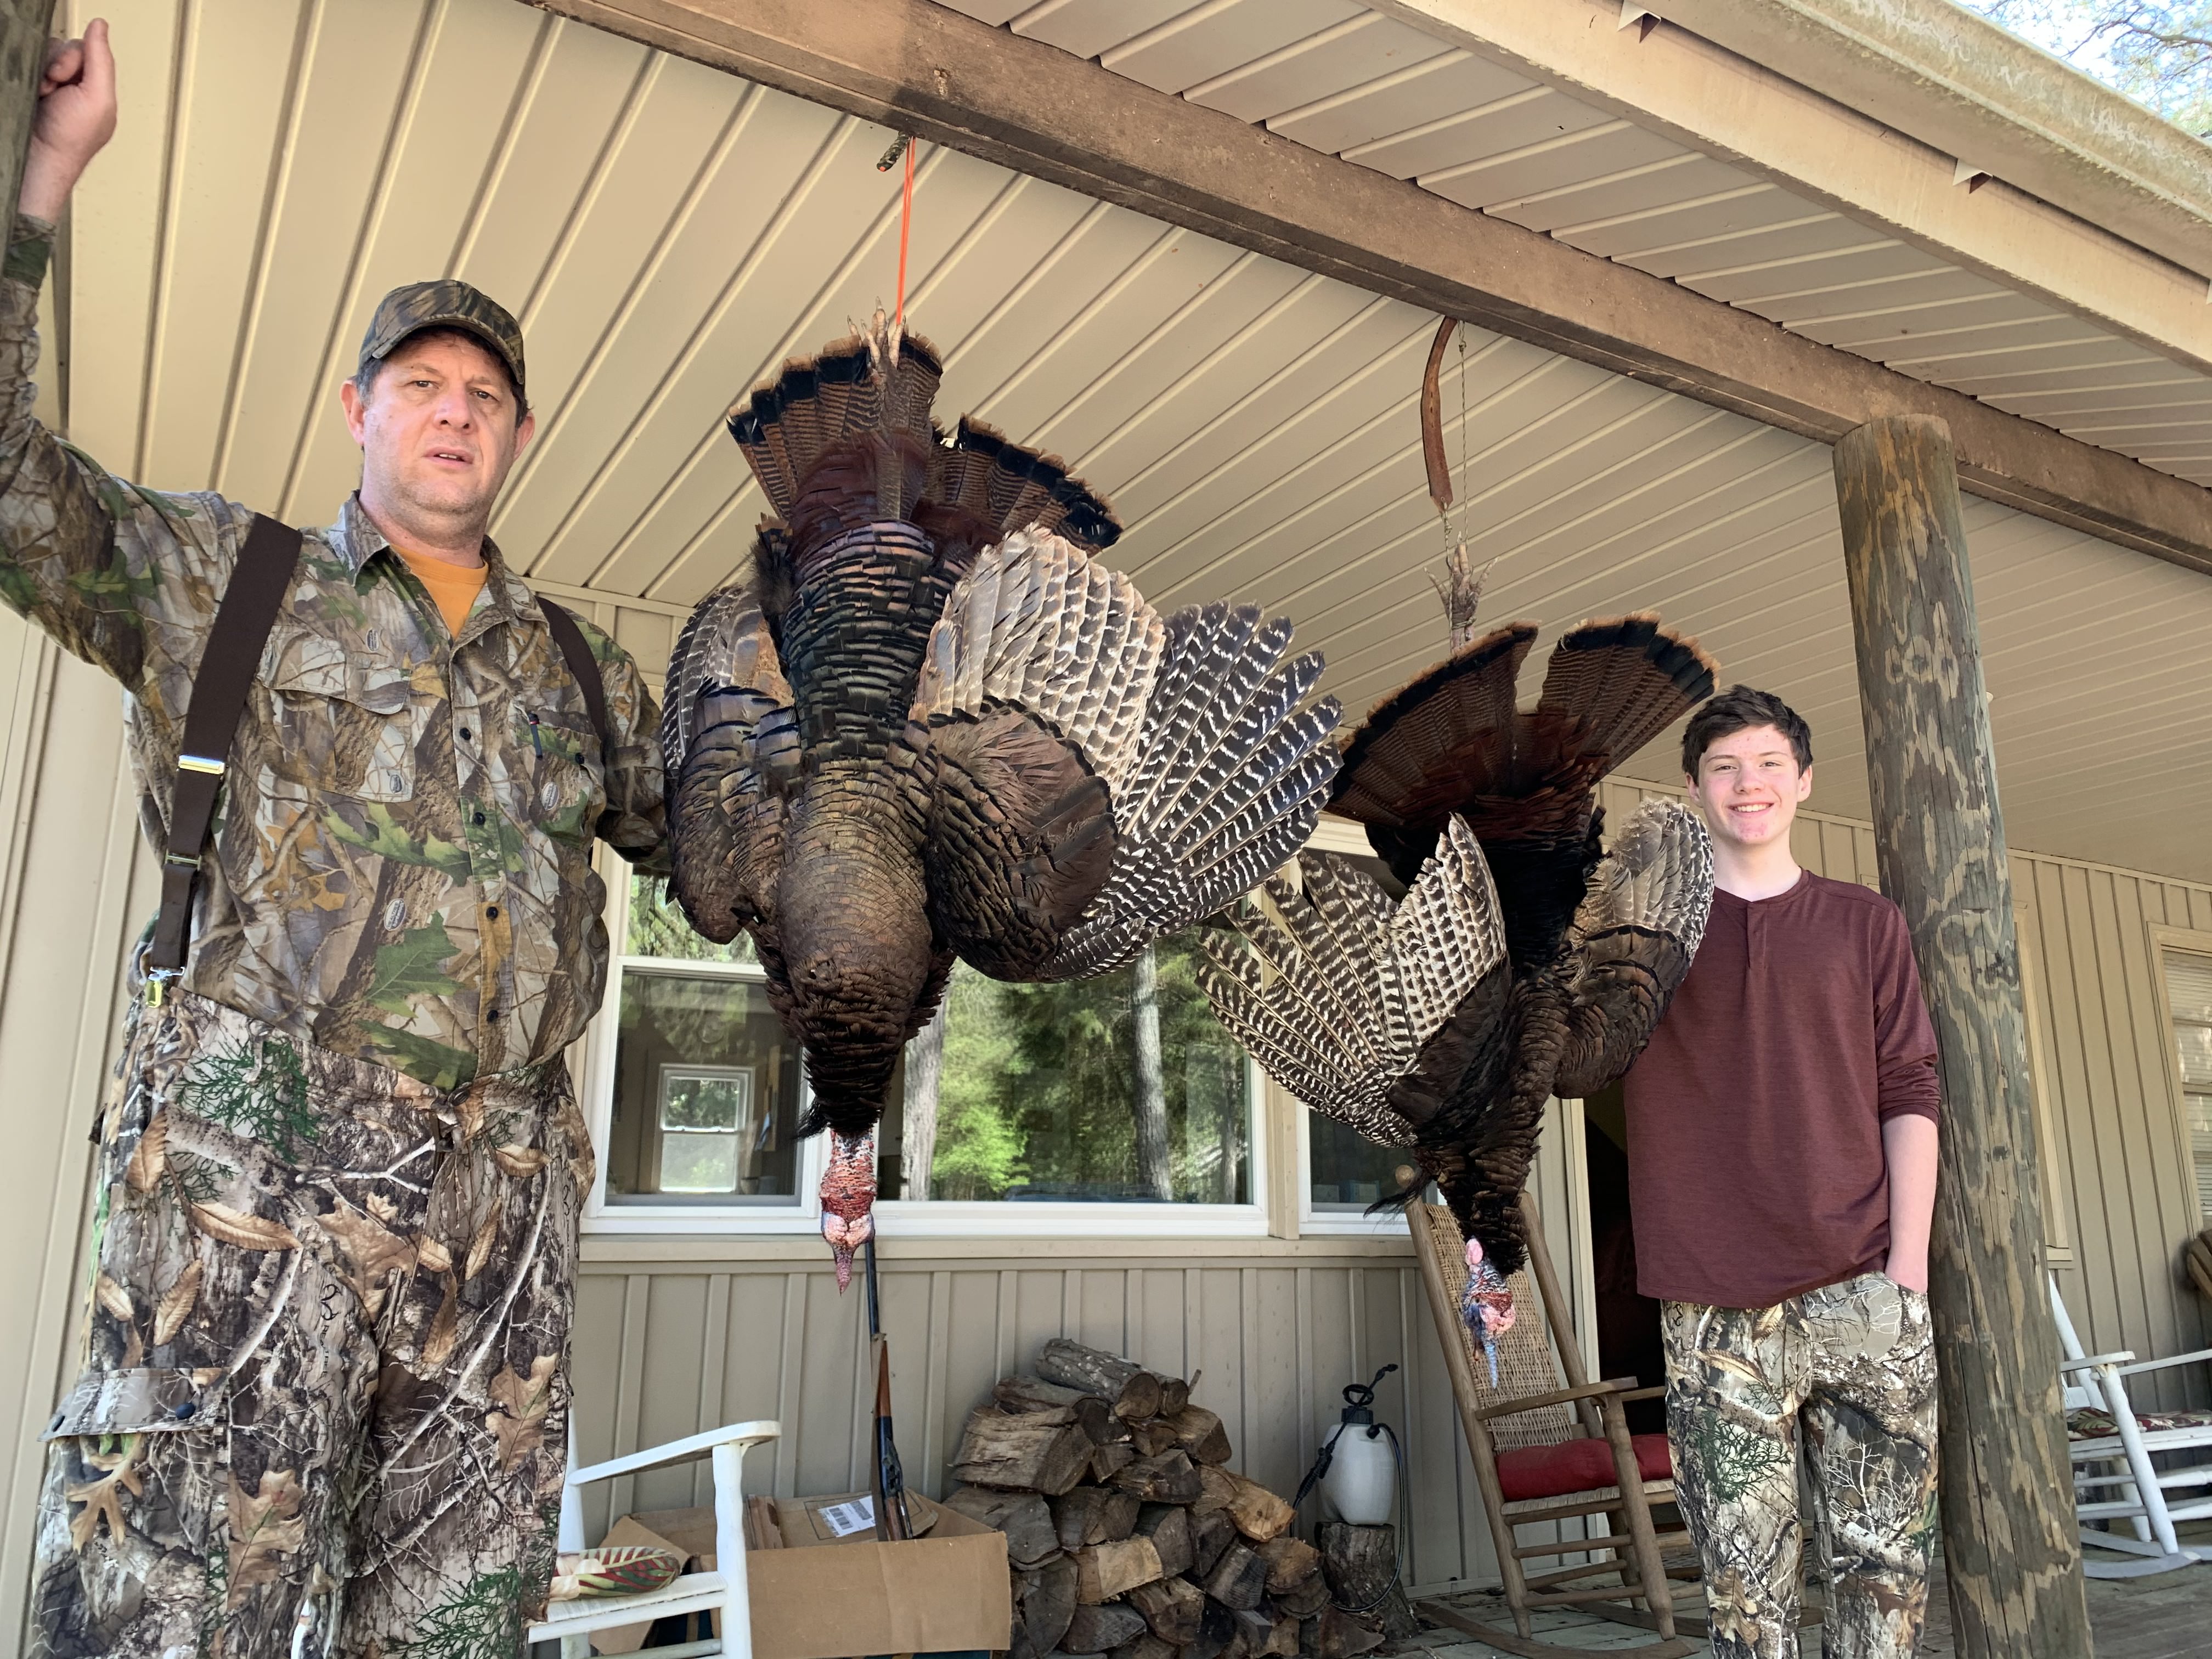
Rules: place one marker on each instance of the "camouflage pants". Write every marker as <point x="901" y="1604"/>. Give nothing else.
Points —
<point x="323" y="1406"/>
<point x="1854" y="1364"/>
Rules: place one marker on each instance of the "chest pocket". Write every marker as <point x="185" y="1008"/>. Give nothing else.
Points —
<point x="340" y="724"/>
<point x="557" y="786"/>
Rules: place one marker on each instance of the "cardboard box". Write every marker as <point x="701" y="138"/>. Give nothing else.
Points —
<point x="946" y="1592"/>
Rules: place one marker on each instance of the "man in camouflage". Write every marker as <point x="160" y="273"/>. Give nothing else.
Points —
<point x="325" y="1393"/>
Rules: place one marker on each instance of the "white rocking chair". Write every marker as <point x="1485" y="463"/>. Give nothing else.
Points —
<point x="2112" y="1445"/>
<point x="721" y="1591"/>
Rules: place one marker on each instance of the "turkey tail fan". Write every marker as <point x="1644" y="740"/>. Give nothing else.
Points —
<point x="1012" y="486"/>
<point x="1231" y="771"/>
<point x="855" y="391"/>
<point x="1448" y="737"/>
<point x="1624" y="679"/>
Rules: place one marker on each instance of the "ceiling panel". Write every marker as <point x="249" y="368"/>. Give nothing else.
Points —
<point x="670" y="235"/>
<point x="1352" y="82"/>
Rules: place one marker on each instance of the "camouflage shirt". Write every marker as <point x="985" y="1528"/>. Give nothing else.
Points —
<point x="403" y="854"/>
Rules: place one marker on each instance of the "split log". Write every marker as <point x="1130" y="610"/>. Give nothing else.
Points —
<point x="1022" y="1515"/>
<point x="1361" y="1566"/>
<point x="1170" y="1478"/>
<point x="1259" y="1514"/>
<point x="1283" y="1639"/>
<point x="1238" y="1580"/>
<point x="1173" y="1608"/>
<point x="1148" y="1646"/>
<point x="1048" y="1597"/>
<point x="1110" y="1459"/>
<point x="1105" y="1570"/>
<point x="1217" y="1490"/>
<point x="1290" y="1563"/>
<point x="1341" y="1636"/>
<point x="1258" y="1626"/>
<point x="1152" y="1436"/>
<point x="1034" y="1393"/>
<point x="1307" y="1600"/>
<point x="1237" y="1647"/>
<point x="1093" y="1515"/>
<point x="1028" y="1450"/>
<point x="1134" y="1391"/>
<point x="1019" y="1645"/>
<point x="1215" y="1628"/>
<point x="1168" y="1525"/>
<point x="1210" y="1535"/>
<point x="1175" y="1394"/>
<point x="1097" y="1630"/>
<point x="1200" y="1433"/>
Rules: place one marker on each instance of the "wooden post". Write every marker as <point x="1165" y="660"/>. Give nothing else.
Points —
<point x="24" y="24"/>
<point x="2009" y="1543"/>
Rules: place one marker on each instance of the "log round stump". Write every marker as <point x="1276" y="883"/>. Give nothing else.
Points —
<point x="1361" y="1563"/>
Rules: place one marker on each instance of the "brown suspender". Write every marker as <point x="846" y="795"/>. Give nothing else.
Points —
<point x="242" y="621"/>
<point x="584" y="666"/>
<point x="233" y="655"/>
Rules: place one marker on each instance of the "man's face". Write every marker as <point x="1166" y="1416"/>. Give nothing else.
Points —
<point x="437" y="431"/>
<point x="1748" y="785"/>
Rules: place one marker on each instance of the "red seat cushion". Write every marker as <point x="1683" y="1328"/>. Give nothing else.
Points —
<point x="1575" y="1466"/>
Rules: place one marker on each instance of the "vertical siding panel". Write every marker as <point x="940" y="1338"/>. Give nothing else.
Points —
<point x="791" y="1383"/>
<point x="674" y="1363"/>
<point x="594" y="1371"/>
<point x="933" y="1448"/>
<point x="713" y="1366"/>
<point x="629" y="1385"/>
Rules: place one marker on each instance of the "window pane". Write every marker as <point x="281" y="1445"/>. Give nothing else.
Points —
<point x="1349" y="1172"/>
<point x="1116" y="1088"/>
<point x="657" y="929"/>
<point x="706" y="1092"/>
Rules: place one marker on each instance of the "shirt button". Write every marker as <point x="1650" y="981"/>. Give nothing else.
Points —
<point x="492" y="910"/>
<point x="492" y="1014"/>
<point x="479" y="817"/>
<point x="465" y="734"/>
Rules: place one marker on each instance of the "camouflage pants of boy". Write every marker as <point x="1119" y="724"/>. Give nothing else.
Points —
<point x="1853" y="1364"/>
<point x="324" y="1401"/>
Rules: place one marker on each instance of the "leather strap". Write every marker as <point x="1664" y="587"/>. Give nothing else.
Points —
<point x="257" y="585"/>
<point x="584" y="666"/>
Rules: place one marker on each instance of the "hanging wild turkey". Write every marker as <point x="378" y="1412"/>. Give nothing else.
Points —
<point x="1518" y="965"/>
<point x="926" y="724"/>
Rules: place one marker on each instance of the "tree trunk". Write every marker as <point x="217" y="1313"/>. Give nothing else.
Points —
<point x="2010" y="1546"/>
<point x="925" y="1067"/>
<point x="1154" y="1174"/>
<point x="1361" y="1564"/>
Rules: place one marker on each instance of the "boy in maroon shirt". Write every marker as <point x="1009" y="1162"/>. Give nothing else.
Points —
<point x="1782" y="1173"/>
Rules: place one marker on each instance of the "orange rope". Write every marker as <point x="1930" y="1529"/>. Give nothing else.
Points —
<point x="906" y="230"/>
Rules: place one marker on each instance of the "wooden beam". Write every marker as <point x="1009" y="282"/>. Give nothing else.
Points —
<point x="2010" y="1545"/>
<point x="930" y="71"/>
<point x="1745" y="111"/>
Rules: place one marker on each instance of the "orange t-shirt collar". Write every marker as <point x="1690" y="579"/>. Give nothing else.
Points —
<point x="453" y="586"/>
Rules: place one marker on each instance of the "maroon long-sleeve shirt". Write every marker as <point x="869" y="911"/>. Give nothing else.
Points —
<point x="1756" y="1171"/>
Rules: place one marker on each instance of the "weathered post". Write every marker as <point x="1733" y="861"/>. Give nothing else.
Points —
<point x="2009" y="1530"/>
<point x="23" y="28"/>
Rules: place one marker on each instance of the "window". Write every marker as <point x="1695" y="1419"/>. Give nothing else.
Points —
<point x="2189" y="992"/>
<point x="1024" y="1109"/>
<point x="706" y="1088"/>
<point x="1119" y="1088"/>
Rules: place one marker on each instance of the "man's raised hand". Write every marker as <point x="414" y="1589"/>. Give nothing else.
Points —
<point x="76" y="118"/>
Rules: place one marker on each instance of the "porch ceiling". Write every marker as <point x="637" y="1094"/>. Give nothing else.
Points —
<point x="668" y="234"/>
<point x="1350" y="80"/>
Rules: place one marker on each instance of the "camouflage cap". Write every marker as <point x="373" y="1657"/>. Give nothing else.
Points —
<point x="446" y="303"/>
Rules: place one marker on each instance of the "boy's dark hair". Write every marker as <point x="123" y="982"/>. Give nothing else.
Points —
<point x="1738" y="710"/>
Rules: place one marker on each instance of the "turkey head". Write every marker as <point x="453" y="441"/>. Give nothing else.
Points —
<point x="926" y="723"/>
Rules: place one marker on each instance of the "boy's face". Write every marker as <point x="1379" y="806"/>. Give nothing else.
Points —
<point x="1748" y="786"/>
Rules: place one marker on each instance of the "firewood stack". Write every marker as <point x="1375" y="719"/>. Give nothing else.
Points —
<point x="1127" y="1534"/>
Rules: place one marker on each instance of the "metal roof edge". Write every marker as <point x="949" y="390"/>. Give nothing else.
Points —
<point x="1953" y="79"/>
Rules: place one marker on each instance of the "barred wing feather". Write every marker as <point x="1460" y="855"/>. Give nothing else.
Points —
<point x="1345" y="1001"/>
<point x="1633" y="941"/>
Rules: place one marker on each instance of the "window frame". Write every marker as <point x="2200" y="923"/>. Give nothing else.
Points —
<point x="2187" y="941"/>
<point x="702" y="1217"/>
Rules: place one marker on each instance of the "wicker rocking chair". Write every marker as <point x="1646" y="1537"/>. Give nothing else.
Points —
<point x="1548" y="1446"/>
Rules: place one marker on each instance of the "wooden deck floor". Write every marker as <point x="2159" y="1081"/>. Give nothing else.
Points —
<point x="2166" y="1617"/>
